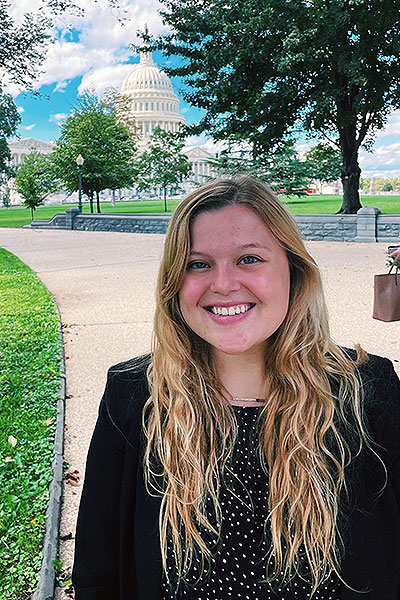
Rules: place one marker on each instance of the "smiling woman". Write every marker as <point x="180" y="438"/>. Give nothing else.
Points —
<point x="232" y="299"/>
<point x="248" y="456"/>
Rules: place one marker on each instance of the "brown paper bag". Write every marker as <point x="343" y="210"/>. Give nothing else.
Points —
<point x="387" y="296"/>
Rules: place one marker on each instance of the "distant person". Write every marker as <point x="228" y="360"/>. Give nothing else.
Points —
<point x="248" y="457"/>
<point x="396" y="253"/>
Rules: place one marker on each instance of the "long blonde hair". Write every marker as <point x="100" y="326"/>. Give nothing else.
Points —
<point x="313" y="403"/>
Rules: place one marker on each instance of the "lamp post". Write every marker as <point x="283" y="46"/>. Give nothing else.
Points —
<point x="79" y="161"/>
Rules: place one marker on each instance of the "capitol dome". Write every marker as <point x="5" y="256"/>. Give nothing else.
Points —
<point x="152" y="100"/>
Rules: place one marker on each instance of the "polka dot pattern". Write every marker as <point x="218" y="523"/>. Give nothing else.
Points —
<point x="237" y="570"/>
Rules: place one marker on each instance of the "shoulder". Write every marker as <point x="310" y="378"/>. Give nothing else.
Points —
<point x="130" y="373"/>
<point x="380" y="397"/>
<point x="126" y="390"/>
<point x="376" y="373"/>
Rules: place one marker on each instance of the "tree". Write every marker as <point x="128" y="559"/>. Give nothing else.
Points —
<point x="324" y="163"/>
<point x="9" y="120"/>
<point x="35" y="179"/>
<point x="94" y="131"/>
<point x="264" y="69"/>
<point x="281" y="169"/>
<point x="162" y="164"/>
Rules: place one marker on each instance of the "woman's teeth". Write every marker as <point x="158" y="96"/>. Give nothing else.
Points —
<point x="232" y="310"/>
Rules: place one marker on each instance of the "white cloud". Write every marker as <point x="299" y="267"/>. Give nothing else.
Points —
<point x="58" y="117"/>
<point x="102" y="41"/>
<point x="29" y="127"/>
<point x="61" y="85"/>
<point x="392" y="126"/>
<point x="20" y="109"/>
<point x="103" y="78"/>
<point x="383" y="162"/>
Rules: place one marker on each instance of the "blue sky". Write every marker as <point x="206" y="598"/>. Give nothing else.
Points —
<point x="93" y="53"/>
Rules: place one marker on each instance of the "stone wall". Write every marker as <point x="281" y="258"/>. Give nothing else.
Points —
<point x="388" y="228"/>
<point x="332" y="228"/>
<point x="368" y="225"/>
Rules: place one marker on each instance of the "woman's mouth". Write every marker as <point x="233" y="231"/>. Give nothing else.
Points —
<point x="225" y="311"/>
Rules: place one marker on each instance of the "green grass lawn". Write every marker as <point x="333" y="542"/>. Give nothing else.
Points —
<point x="29" y="389"/>
<point x="17" y="216"/>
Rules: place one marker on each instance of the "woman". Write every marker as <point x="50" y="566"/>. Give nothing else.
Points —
<point x="250" y="457"/>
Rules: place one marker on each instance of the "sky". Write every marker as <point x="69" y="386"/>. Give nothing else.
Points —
<point x="92" y="52"/>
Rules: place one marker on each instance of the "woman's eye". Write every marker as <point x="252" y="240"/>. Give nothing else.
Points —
<point x="197" y="264"/>
<point x="249" y="260"/>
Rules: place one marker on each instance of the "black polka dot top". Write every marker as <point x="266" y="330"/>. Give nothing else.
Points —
<point x="238" y="567"/>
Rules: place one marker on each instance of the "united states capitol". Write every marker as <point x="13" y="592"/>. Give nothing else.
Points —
<point x="152" y="103"/>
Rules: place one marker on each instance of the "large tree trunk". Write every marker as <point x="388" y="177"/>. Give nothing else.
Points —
<point x="98" y="201"/>
<point x="351" y="171"/>
<point x="91" y="201"/>
<point x="165" y="199"/>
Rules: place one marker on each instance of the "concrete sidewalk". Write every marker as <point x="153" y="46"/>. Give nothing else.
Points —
<point x="103" y="284"/>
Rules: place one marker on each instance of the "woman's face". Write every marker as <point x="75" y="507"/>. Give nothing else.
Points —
<point x="235" y="292"/>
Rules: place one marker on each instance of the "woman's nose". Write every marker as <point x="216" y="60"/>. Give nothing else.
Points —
<point x="224" y="280"/>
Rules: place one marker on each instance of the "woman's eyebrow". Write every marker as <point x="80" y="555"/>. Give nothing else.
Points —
<point x="248" y="246"/>
<point x="255" y="245"/>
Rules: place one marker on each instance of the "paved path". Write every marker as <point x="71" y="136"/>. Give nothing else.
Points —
<point x="103" y="284"/>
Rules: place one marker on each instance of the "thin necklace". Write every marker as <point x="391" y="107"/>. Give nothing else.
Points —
<point x="244" y="400"/>
<point x="252" y="400"/>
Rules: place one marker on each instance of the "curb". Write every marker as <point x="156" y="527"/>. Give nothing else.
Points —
<point x="47" y="576"/>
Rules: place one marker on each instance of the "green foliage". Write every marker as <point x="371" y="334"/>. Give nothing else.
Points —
<point x="35" y="179"/>
<point x="281" y="168"/>
<point x="9" y="120"/>
<point x="162" y="164"/>
<point x="325" y="162"/>
<point x="95" y="131"/>
<point x="381" y="184"/>
<point x="29" y="384"/>
<point x="263" y="69"/>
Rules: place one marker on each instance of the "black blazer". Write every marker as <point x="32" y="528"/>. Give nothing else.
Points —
<point x="117" y="555"/>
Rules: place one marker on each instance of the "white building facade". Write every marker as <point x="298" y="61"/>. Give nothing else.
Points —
<point x="153" y="103"/>
<point x="20" y="148"/>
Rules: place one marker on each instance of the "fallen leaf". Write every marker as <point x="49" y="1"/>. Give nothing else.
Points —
<point x="69" y="396"/>
<point x="12" y="441"/>
<point x="72" y="477"/>
<point x="49" y="421"/>
<point x="8" y="459"/>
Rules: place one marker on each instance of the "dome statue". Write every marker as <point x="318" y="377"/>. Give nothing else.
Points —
<point x="152" y="100"/>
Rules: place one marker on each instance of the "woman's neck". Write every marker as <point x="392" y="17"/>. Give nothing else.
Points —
<point x="242" y="377"/>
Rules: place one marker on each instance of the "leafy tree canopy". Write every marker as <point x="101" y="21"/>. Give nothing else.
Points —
<point x="162" y="164"/>
<point x="9" y="119"/>
<point x="324" y="162"/>
<point x="263" y="69"/>
<point x="95" y="131"/>
<point x="35" y="179"/>
<point x="281" y="169"/>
